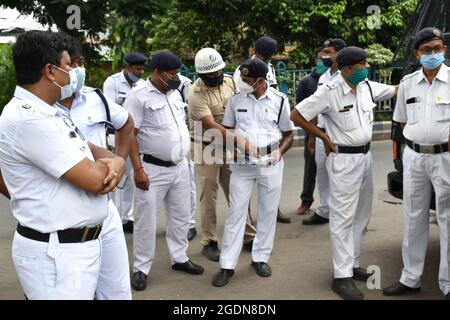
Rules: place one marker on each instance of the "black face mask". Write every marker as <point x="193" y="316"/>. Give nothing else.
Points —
<point x="327" y="62"/>
<point x="172" y="83"/>
<point x="213" y="82"/>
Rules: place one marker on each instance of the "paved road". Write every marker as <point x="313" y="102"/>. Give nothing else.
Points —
<point x="301" y="260"/>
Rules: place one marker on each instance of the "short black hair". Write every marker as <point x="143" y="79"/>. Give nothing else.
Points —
<point x="73" y="45"/>
<point x="32" y="51"/>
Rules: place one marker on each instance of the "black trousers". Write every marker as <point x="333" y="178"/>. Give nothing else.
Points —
<point x="309" y="177"/>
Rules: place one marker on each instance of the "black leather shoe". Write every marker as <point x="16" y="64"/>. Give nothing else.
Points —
<point x="222" y="278"/>
<point x="361" y="274"/>
<point x="188" y="267"/>
<point x="315" y="219"/>
<point x="248" y="246"/>
<point x="211" y="251"/>
<point x="281" y="218"/>
<point x="398" y="288"/>
<point x="139" y="281"/>
<point x="128" y="227"/>
<point x="192" y="233"/>
<point x="262" y="269"/>
<point x="346" y="289"/>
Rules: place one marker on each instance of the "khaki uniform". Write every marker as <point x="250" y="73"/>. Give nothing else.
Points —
<point x="204" y="101"/>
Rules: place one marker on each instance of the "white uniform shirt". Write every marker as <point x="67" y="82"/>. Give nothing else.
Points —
<point x="270" y="76"/>
<point x="38" y="145"/>
<point x="160" y="119"/>
<point x="425" y="108"/>
<point x="348" y="117"/>
<point x="88" y="112"/>
<point x="327" y="77"/>
<point x="116" y="87"/>
<point x="257" y="119"/>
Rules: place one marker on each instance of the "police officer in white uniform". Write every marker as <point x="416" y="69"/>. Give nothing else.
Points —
<point x="161" y="171"/>
<point x="116" y="88"/>
<point x="92" y="113"/>
<point x="423" y="109"/>
<point x="185" y="85"/>
<point x="265" y="48"/>
<point x="260" y="113"/>
<point x="52" y="177"/>
<point x="347" y="108"/>
<point x="322" y="213"/>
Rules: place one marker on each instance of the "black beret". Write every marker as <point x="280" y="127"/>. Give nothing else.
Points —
<point x="350" y="56"/>
<point x="135" y="58"/>
<point x="165" y="60"/>
<point x="427" y="34"/>
<point x="254" y="68"/>
<point x="337" y="44"/>
<point x="266" y="46"/>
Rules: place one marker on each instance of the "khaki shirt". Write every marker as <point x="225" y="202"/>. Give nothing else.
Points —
<point x="204" y="101"/>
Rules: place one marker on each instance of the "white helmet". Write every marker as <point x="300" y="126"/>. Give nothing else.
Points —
<point x="208" y="60"/>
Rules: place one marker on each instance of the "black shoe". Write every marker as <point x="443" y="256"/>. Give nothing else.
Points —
<point x="222" y="278"/>
<point x="262" y="269"/>
<point x="192" y="233"/>
<point x="188" y="267"/>
<point x="398" y="288"/>
<point x="281" y="218"/>
<point x="139" y="281"/>
<point x="128" y="227"/>
<point x="315" y="219"/>
<point x="347" y="289"/>
<point x="361" y="274"/>
<point x="248" y="246"/>
<point x="211" y="251"/>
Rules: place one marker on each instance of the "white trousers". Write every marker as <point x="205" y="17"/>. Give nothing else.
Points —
<point x="422" y="172"/>
<point x="171" y="187"/>
<point x="193" y="189"/>
<point x="114" y="280"/>
<point x="322" y="179"/>
<point x="124" y="198"/>
<point x="243" y="177"/>
<point x="351" y="191"/>
<point x="57" y="271"/>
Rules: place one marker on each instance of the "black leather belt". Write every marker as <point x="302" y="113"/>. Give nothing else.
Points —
<point x="268" y="149"/>
<point x="429" y="149"/>
<point x="65" y="236"/>
<point x="158" y="162"/>
<point x="360" y="149"/>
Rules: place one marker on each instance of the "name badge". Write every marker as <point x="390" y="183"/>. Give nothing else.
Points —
<point x="242" y="110"/>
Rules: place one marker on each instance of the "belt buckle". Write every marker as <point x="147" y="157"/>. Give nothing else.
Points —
<point x="428" y="149"/>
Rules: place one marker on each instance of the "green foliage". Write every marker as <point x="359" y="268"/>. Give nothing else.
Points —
<point x="7" y="75"/>
<point x="380" y="57"/>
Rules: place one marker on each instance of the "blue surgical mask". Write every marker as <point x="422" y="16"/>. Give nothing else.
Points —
<point x="133" y="77"/>
<point x="68" y="89"/>
<point x="360" y="74"/>
<point x="432" y="61"/>
<point x="81" y="77"/>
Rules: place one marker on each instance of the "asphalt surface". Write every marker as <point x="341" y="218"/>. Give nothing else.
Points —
<point x="301" y="260"/>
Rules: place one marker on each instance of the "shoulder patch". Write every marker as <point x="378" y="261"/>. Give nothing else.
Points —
<point x="411" y="75"/>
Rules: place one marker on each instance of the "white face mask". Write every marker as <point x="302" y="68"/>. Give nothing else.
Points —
<point x="69" y="89"/>
<point x="245" y="88"/>
<point x="81" y="77"/>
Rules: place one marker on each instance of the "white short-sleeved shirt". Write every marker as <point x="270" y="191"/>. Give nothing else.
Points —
<point x="258" y="119"/>
<point x="348" y="117"/>
<point x="116" y="87"/>
<point x="270" y="76"/>
<point x="425" y="108"/>
<point x="89" y="115"/>
<point x="38" y="145"/>
<point x="160" y="119"/>
<point x="327" y="77"/>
